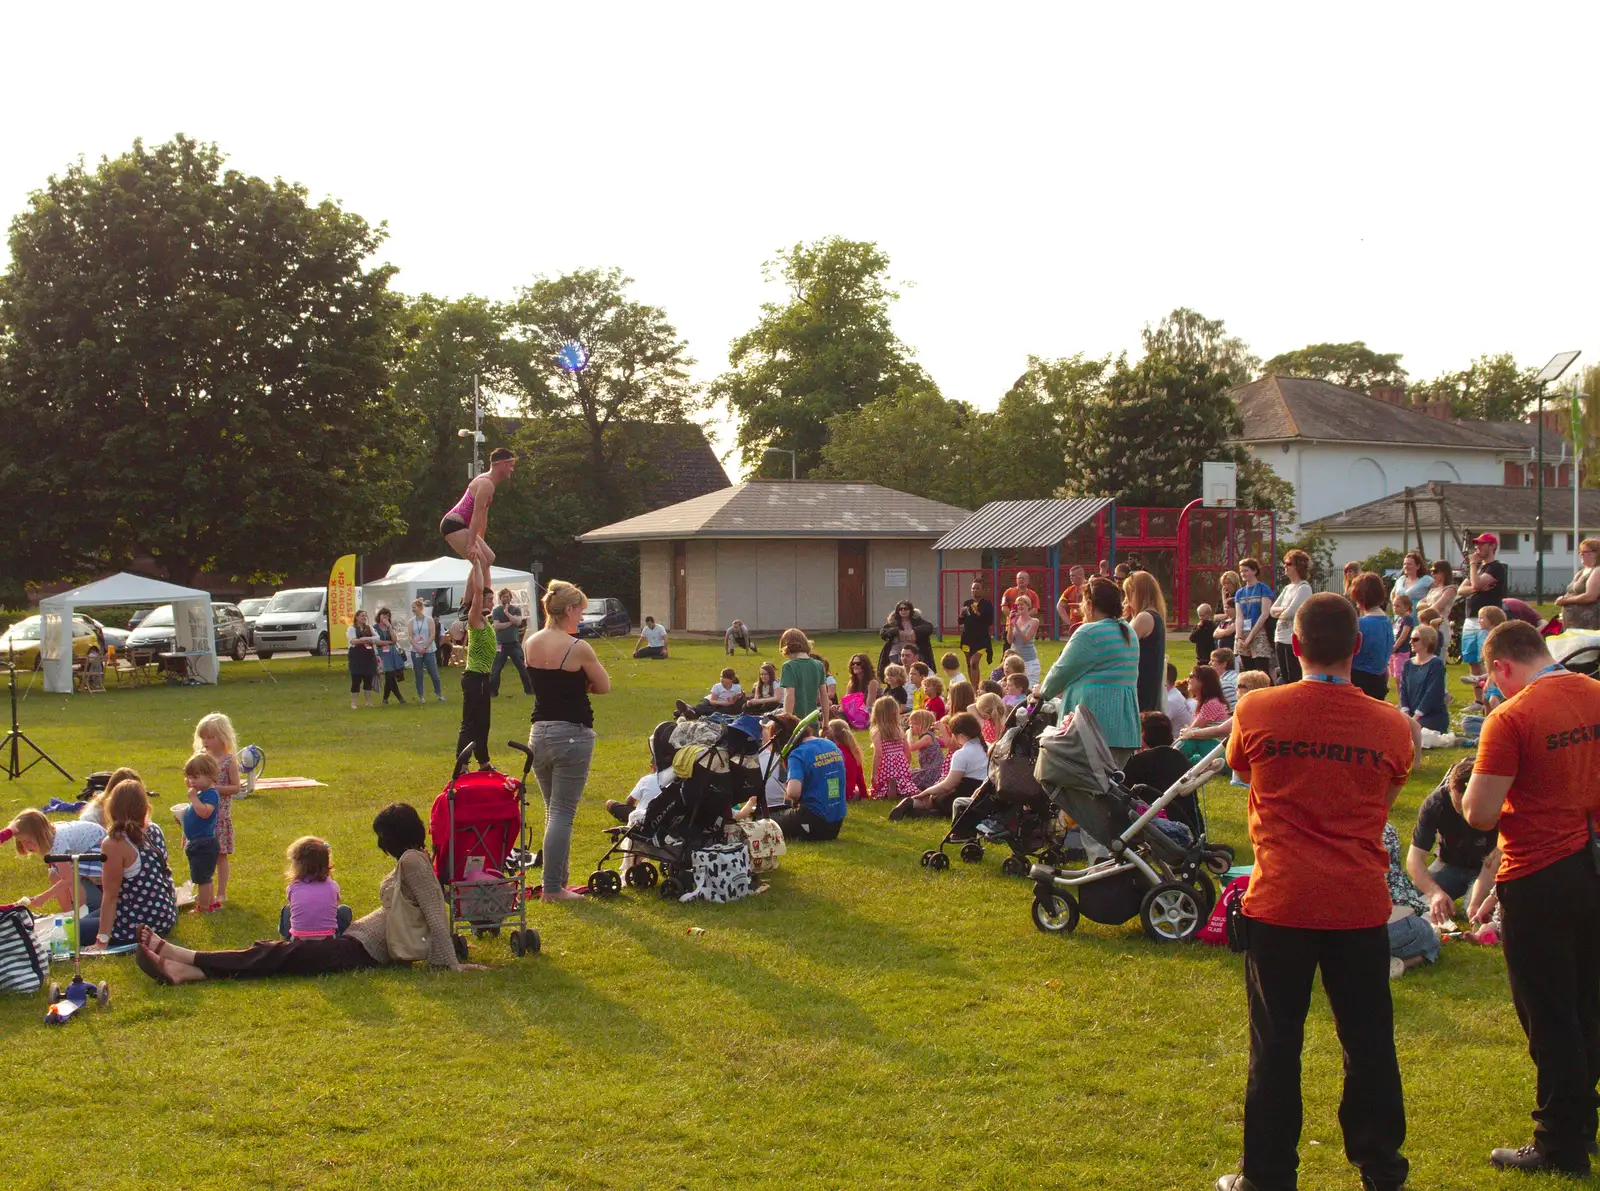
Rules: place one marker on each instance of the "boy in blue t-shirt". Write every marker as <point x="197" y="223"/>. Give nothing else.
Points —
<point x="200" y="842"/>
<point x="815" y="790"/>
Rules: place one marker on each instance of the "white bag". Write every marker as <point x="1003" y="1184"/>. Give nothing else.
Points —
<point x="721" y="873"/>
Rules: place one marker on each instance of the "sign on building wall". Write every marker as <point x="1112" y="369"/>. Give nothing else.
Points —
<point x="894" y="576"/>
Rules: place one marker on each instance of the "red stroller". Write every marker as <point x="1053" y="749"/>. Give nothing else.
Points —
<point x="479" y="828"/>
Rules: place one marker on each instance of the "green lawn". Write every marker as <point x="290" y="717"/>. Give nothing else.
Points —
<point x="863" y="1023"/>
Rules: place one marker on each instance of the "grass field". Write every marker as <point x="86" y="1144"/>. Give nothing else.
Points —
<point x="863" y="1023"/>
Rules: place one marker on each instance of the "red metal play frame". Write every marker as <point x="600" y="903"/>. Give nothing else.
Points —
<point x="1187" y="550"/>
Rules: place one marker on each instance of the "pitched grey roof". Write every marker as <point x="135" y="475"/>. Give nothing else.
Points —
<point x="1018" y="524"/>
<point x="1471" y="506"/>
<point x="1522" y="434"/>
<point x="790" y="508"/>
<point x="1287" y="407"/>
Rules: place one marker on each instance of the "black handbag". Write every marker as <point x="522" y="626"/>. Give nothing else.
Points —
<point x="1594" y="847"/>
<point x="1238" y="927"/>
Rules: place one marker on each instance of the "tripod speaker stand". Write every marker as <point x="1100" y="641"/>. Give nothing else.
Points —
<point x="16" y="737"/>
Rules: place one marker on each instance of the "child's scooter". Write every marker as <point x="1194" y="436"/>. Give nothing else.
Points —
<point x="64" y="1004"/>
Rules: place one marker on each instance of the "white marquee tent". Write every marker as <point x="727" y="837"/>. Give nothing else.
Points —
<point x="193" y="631"/>
<point x="439" y="581"/>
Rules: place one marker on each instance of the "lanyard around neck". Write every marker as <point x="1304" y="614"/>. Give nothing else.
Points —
<point x="1330" y="679"/>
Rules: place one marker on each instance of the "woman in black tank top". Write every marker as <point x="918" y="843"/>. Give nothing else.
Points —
<point x="564" y="672"/>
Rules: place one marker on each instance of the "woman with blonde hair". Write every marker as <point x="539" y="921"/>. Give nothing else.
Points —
<point x="1021" y="628"/>
<point x="1227" y="629"/>
<point x="1580" y="604"/>
<point x="1297" y="570"/>
<point x="891" y="767"/>
<point x="1146" y="611"/>
<point x="564" y="672"/>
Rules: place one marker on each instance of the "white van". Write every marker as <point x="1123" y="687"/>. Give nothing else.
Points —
<point x="295" y="619"/>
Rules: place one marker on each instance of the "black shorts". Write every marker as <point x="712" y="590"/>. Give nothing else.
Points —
<point x="450" y="525"/>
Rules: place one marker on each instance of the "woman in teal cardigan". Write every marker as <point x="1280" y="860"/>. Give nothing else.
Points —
<point x="1099" y="668"/>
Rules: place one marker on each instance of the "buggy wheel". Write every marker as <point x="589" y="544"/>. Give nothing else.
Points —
<point x="102" y="992"/>
<point x="971" y="852"/>
<point x="524" y="942"/>
<point x="605" y="882"/>
<point x="1171" y="913"/>
<point x="1202" y="885"/>
<point x="1014" y="866"/>
<point x="1217" y="862"/>
<point x="1055" y="913"/>
<point x="672" y="889"/>
<point x="460" y="945"/>
<point x="643" y="875"/>
<point x="928" y="856"/>
<point x="938" y="862"/>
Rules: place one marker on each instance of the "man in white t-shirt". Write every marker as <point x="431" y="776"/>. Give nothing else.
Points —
<point x="969" y="766"/>
<point x="1177" y="703"/>
<point x="652" y="640"/>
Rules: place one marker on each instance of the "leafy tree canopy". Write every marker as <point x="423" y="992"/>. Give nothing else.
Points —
<point x="194" y="363"/>
<point x="828" y="350"/>
<point x="1190" y="338"/>
<point x="913" y="440"/>
<point x="1351" y="365"/>
<point x="1491" y="388"/>
<point x="1037" y="424"/>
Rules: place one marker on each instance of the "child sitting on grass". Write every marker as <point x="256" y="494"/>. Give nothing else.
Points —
<point x="1422" y="694"/>
<point x="200" y="828"/>
<point x="991" y="712"/>
<point x="933" y="696"/>
<point x="915" y="677"/>
<point x="923" y="747"/>
<point x="36" y="835"/>
<point x="951" y="665"/>
<point x="891" y="771"/>
<point x="998" y="674"/>
<point x="1016" y="689"/>
<point x="894" y="687"/>
<point x="214" y="735"/>
<point x="855" y="782"/>
<point x="313" y="911"/>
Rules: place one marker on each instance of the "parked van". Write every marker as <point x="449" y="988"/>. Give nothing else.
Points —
<point x="295" y="619"/>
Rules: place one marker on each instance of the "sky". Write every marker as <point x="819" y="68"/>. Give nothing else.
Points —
<point x="1045" y="179"/>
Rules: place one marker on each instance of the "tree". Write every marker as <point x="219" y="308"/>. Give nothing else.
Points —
<point x="1319" y="546"/>
<point x="1388" y="558"/>
<point x="446" y="343"/>
<point x="637" y="370"/>
<point x="1146" y="435"/>
<point x="194" y="363"/>
<point x="1031" y="433"/>
<point x="1491" y="389"/>
<point x="1259" y="487"/>
<point x="1351" y="365"/>
<point x="915" y="441"/>
<point x="1584" y="430"/>
<point x="828" y="350"/>
<point x="1189" y="337"/>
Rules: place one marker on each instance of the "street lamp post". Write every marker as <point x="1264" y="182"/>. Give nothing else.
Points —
<point x="476" y="433"/>
<point x="1549" y="374"/>
<point x="794" y="465"/>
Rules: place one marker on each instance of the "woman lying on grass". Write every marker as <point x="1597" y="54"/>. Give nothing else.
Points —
<point x="412" y="924"/>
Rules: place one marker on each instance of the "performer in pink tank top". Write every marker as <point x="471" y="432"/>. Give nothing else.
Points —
<point x="466" y="524"/>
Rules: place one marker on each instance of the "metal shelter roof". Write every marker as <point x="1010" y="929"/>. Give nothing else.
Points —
<point x="1022" y="524"/>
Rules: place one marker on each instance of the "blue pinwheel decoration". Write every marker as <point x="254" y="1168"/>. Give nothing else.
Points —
<point x="573" y="357"/>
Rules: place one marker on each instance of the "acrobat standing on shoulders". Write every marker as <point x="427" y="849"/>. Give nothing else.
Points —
<point x="466" y="525"/>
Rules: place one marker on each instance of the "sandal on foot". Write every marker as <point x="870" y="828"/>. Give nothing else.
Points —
<point x="151" y="967"/>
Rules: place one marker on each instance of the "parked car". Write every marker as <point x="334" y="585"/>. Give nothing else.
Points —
<point x="20" y="643"/>
<point x="156" y="633"/>
<point x="605" y="617"/>
<point x="252" y="609"/>
<point x="294" y="619"/>
<point x="138" y="616"/>
<point x="110" y="638"/>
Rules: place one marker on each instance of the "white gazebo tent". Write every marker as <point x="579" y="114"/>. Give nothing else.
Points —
<point x="444" y="578"/>
<point x="193" y="630"/>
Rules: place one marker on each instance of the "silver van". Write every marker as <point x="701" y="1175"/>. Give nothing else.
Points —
<point x="295" y="619"/>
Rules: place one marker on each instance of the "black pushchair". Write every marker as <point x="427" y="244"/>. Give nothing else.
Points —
<point x="714" y="774"/>
<point x="1010" y="809"/>
<point x="1157" y="870"/>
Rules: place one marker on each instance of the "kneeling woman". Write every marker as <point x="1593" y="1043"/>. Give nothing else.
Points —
<point x="412" y="924"/>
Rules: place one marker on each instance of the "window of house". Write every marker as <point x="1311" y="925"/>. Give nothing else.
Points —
<point x="1569" y="543"/>
<point x="1546" y="542"/>
<point x="1510" y="542"/>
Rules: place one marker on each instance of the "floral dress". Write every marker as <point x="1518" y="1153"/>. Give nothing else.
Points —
<point x="930" y="767"/>
<point x="891" y="771"/>
<point x="146" y="898"/>
<point x="228" y="777"/>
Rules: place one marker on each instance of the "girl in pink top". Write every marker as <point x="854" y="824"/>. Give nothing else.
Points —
<point x="313" y="911"/>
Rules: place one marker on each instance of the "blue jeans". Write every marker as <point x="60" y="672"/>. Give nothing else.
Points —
<point x="561" y="756"/>
<point x="426" y="661"/>
<point x="1413" y="936"/>
<point x="509" y="653"/>
<point x="1454" y="879"/>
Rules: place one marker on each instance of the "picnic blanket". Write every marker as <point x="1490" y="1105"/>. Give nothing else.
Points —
<point x="287" y="783"/>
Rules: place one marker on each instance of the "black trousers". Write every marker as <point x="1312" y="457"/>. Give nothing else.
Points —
<point x="1278" y="970"/>
<point x="1288" y="664"/>
<point x="475" y="707"/>
<point x="509" y="653"/>
<point x="298" y="957"/>
<point x="1262" y="664"/>
<point x="797" y="823"/>
<point x="391" y="684"/>
<point x="1552" y="946"/>
<point x="1376" y="685"/>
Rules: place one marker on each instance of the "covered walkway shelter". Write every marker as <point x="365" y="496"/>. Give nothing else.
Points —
<point x="194" y="633"/>
<point x="1187" y="549"/>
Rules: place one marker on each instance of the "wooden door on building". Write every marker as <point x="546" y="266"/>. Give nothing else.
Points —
<point x="852" y="585"/>
<point x="680" y="586"/>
